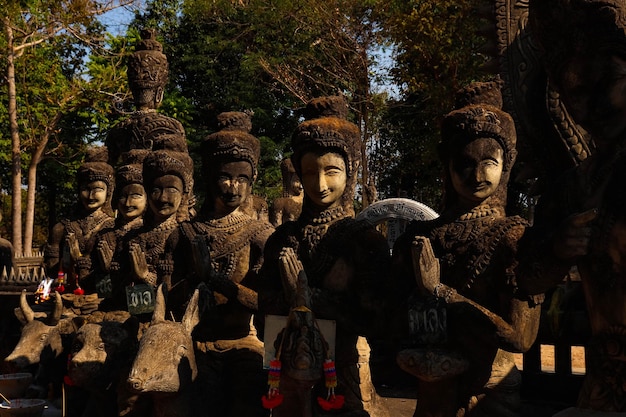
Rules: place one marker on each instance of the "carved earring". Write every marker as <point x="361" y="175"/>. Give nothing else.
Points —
<point x="158" y="96"/>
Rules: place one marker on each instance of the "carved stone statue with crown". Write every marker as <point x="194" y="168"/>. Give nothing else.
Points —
<point x="145" y="127"/>
<point x="342" y="262"/>
<point x="137" y="265"/>
<point x="580" y="219"/>
<point x="466" y="314"/>
<point x="223" y="247"/>
<point x="72" y="239"/>
<point x="289" y="206"/>
<point x="131" y="202"/>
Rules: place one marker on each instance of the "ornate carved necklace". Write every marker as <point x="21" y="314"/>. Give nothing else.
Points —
<point x="473" y="241"/>
<point x="135" y="223"/>
<point x="484" y="210"/>
<point x="232" y="220"/>
<point x="153" y="241"/>
<point x="86" y="227"/>
<point x="316" y="226"/>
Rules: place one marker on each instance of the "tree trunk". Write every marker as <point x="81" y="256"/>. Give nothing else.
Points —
<point x="29" y="220"/>
<point x="16" y="157"/>
<point x="32" y="184"/>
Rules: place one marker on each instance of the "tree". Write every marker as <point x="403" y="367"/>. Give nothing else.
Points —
<point x="437" y="50"/>
<point x="60" y="32"/>
<point x="271" y="58"/>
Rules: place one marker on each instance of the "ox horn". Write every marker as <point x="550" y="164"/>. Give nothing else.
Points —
<point x="57" y="310"/>
<point x="28" y="312"/>
<point x="159" y="305"/>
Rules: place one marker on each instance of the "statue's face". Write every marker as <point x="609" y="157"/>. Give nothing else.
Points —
<point x="231" y="186"/>
<point x="93" y="195"/>
<point x="323" y="178"/>
<point x="476" y="170"/>
<point x="132" y="201"/>
<point x="165" y="196"/>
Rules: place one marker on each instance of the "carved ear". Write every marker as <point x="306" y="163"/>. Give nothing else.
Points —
<point x="77" y="322"/>
<point x="192" y="313"/>
<point x="20" y="316"/>
<point x="159" y="305"/>
<point x="57" y="310"/>
<point x="28" y="313"/>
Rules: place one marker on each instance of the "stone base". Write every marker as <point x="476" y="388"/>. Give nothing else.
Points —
<point x="579" y="412"/>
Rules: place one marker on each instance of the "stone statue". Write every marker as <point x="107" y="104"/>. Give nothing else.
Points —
<point x="289" y="206"/>
<point x="256" y="207"/>
<point x="146" y="128"/>
<point x="228" y="246"/>
<point x="73" y="238"/>
<point x="136" y="266"/>
<point x="131" y="203"/>
<point x="580" y="219"/>
<point x="467" y="314"/>
<point x="345" y="264"/>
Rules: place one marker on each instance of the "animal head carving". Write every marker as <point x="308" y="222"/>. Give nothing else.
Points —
<point x="40" y="333"/>
<point x="165" y="361"/>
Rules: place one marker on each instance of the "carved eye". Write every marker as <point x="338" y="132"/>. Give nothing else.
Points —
<point x="43" y="337"/>
<point x="182" y="351"/>
<point x="101" y="346"/>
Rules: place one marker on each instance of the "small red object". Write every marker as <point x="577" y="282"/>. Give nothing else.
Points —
<point x="60" y="289"/>
<point x="272" y="400"/>
<point x="334" y="402"/>
<point x="79" y="291"/>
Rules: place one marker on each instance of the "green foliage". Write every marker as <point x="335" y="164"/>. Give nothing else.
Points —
<point x="437" y="46"/>
<point x="269" y="57"/>
<point x="62" y="96"/>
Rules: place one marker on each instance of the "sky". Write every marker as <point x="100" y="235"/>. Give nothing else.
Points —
<point x="117" y="20"/>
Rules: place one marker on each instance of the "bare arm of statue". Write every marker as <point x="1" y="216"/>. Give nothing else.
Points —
<point x="518" y="335"/>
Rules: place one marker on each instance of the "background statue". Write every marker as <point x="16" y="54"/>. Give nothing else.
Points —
<point x="460" y="267"/>
<point x="137" y="266"/>
<point x="229" y="252"/>
<point x="256" y="207"/>
<point x="145" y="128"/>
<point x="131" y="203"/>
<point x="289" y="206"/>
<point x="74" y="237"/>
<point x="580" y="220"/>
<point x="345" y="262"/>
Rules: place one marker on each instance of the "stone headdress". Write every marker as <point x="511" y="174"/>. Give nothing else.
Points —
<point x="328" y="130"/>
<point x="480" y="116"/>
<point x="131" y="170"/>
<point x="147" y="69"/>
<point x="96" y="168"/>
<point x="232" y="142"/>
<point x="165" y="162"/>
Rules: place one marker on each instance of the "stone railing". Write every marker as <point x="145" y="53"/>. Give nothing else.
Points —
<point x="27" y="270"/>
<point x="22" y="276"/>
